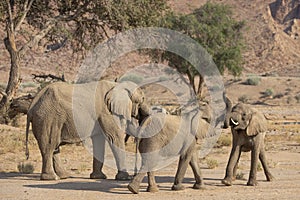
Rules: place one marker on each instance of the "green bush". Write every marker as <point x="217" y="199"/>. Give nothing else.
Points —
<point x="212" y="164"/>
<point x="259" y="167"/>
<point x="27" y="168"/>
<point x="29" y="85"/>
<point x="224" y="140"/>
<point x="240" y="176"/>
<point x="162" y="78"/>
<point x="269" y="92"/>
<point x="297" y="97"/>
<point x="244" y="99"/>
<point x="132" y="77"/>
<point x="253" y="80"/>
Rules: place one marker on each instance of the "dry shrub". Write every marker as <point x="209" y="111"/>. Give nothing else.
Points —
<point x="26" y="168"/>
<point x="224" y="140"/>
<point x="212" y="164"/>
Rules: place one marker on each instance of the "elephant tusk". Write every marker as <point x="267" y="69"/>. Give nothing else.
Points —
<point x="234" y="122"/>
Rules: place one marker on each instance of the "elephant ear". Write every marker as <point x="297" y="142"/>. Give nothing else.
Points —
<point x="119" y="103"/>
<point x="257" y="124"/>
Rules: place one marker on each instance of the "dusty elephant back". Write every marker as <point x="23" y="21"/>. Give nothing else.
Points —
<point x="64" y="91"/>
<point x="170" y="131"/>
<point x="68" y="101"/>
<point x="157" y="131"/>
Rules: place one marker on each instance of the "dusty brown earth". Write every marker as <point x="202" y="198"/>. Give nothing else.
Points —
<point x="283" y="151"/>
<point x="283" y="155"/>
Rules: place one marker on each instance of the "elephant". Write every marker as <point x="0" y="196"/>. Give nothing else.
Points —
<point x="248" y="128"/>
<point x="163" y="136"/>
<point x="63" y="113"/>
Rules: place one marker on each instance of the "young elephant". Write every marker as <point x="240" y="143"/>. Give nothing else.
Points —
<point x="248" y="127"/>
<point x="168" y="136"/>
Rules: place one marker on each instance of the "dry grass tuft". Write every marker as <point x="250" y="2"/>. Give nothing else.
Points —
<point x="240" y="176"/>
<point x="212" y="164"/>
<point x="224" y="140"/>
<point x="27" y="168"/>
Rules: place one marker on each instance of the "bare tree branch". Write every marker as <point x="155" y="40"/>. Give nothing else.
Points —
<point x="80" y="11"/>
<point x="3" y="93"/>
<point x="48" y="26"/>
<point x="27" y="7"/>
<point x="10" y="16"/>
<point x="104" y="31"/>
<point x="53" y="77"/>
<point x="36" y="39"/>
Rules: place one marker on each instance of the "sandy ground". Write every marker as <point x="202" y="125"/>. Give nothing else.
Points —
<point x="283" y="156"/>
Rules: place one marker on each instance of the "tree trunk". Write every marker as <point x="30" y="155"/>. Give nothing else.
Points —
<point x="192" y="80"/>
<point x="200" y="87"/>
<point x="14" y="75"/>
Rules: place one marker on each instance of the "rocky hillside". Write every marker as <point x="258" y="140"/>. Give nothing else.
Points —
<point x="272" y="37"/>
<point x="272" y="34"/>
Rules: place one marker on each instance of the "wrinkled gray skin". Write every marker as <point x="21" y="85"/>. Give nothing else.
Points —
<point x="172" y="136"/>
<point x="51" y="115"/>
<point x="248" y="127"/>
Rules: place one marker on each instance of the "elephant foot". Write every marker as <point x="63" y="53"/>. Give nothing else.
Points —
<point x="123" y="176"/>
<point x="134" y="187"/>
<point x="198" y="186"/>
<point x="270" y="178"/>
<point x="98" y="175"/>
<point x="252" y="183"/>
<point x="233" y="178"/>
<point x="49" y="176"/>
<point x="62" y="173"/>
<point x="178" y="187"/>
<point x="227" y="181"/>
<point x="152" y="188"/>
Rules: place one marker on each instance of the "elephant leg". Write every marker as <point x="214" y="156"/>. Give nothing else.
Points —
<point x="232" y="162"/>
<point x="134" y="185"/>
<point x="263" y="160"/>
<point x="97" y="170"/>
<point x="118" y="149"/>
<point x="253" y="169"/>
<point x="48" y="172"/>
<point x="194" y="163"/>
<point x="98" y="157"/>
<point x="58" y="168"/>
<point x="236" y="166"/>
<point x="152" y="186"/>
<point x="184" y="161"/>
<point x="48" y="143"/>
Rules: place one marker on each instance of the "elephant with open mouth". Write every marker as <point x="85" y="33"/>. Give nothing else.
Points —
<point x="248" y="127"/>
<point x="63" y="113"/>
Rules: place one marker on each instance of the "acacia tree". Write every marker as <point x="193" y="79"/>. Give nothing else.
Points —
<point x="213" y="26"/>
<point x="83" y="23"/>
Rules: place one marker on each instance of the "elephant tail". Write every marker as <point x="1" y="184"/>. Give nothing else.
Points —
<point x="26" y="142"/>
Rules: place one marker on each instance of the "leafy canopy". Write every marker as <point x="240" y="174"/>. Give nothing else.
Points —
<point x="214" y="27"/>
<point x="84" y="23"/>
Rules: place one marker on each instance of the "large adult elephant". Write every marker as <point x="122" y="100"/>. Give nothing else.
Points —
<point x="64" y="113"/>
<point x="248" y="127"/>
<point x="166" y="136"/>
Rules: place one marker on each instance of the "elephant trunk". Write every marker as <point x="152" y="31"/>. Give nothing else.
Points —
<point x="228" y="111"/>
<point x="143" y="113"/>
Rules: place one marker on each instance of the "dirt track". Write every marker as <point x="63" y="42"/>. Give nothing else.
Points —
<point x="284" y="159"/>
